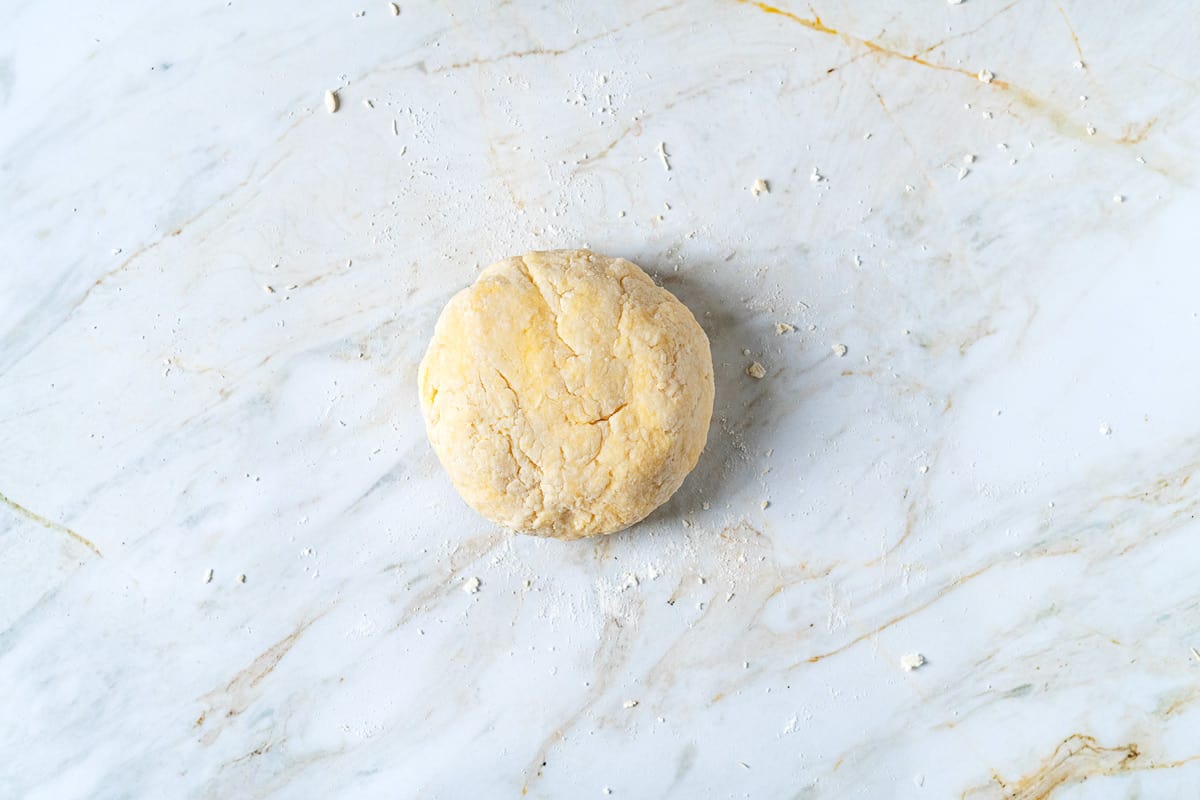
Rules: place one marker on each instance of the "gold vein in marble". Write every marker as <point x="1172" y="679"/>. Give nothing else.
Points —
<point x="242" y="689"/>
<point x="1076" y="759"/>
<point x="1131" y="134"/>
<point x="49" y="524"/>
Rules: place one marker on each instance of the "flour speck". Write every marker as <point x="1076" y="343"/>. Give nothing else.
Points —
<point x="662" y="154"/>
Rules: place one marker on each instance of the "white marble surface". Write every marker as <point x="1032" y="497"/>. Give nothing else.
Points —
<point x="1000" y="474"/>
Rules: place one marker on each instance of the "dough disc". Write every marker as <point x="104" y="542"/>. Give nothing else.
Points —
<point x="566" y="394"/>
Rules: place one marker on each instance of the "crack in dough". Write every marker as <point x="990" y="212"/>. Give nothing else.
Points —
<point x="566" y="394"/>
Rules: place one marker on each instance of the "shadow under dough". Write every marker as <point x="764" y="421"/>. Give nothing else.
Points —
<point x="740" y="426"/>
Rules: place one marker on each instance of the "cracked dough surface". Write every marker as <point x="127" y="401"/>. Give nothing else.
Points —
<point x="566" y="394"/>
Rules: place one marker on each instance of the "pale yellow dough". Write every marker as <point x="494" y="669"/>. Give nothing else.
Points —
<point x="566" y="394"/>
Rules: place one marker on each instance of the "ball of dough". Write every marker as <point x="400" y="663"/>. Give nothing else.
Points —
<point x="566" y="394"/>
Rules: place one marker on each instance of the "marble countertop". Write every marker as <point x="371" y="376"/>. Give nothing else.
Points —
<point x="215" y="293"/>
